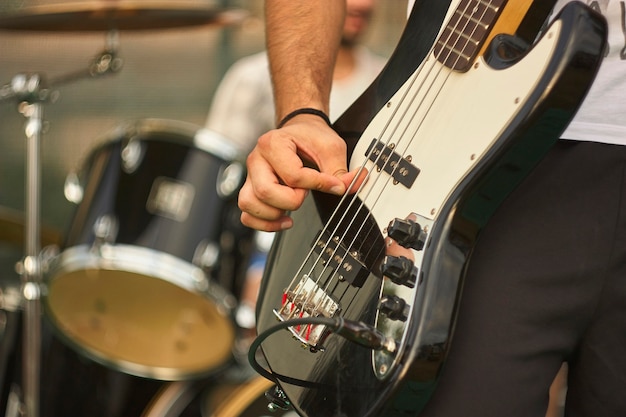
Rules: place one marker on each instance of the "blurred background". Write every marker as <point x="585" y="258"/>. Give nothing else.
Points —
<point x="166" y="73"/>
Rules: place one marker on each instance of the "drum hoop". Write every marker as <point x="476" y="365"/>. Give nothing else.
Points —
<point x="128" y="258"/>
<point x="144" y="261"/>
<point x="186" y="133"/>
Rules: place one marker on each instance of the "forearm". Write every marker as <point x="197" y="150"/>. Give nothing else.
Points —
<point x="302" y="41"/>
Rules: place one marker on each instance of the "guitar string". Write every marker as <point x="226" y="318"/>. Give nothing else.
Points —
<point x="417" y="128"/>
<point x="419" y="125"/>
<point x="334" y="215"/>
<point x="316" y="310"/>
<point x="411" y="102"/>
<point x="381" y="170"/>
<point x="359" y="232"/>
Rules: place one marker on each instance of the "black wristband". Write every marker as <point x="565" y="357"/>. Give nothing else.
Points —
<point x="304" y="110"/>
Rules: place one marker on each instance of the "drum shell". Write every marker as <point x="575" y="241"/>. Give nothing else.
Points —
<point x="128" y="194"/>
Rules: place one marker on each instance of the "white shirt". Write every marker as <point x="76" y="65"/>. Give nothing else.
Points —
<point x="243" y="105"/>
<point x="602" y="115"/>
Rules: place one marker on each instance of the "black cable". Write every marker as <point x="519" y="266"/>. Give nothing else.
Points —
<point x="356" y="332"/>
<point x="254" y="346"/>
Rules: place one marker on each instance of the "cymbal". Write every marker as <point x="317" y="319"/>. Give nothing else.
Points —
<point x="105" y="15"/>
<point x="13" y="230"/>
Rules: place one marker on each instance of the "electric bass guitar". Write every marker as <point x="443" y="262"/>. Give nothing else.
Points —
<point x="357" y="306"/>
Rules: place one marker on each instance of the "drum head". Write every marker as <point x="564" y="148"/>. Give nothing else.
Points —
<point x="152" y="326"/>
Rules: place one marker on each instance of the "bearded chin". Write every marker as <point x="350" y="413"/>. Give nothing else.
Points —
<point x="349" y="41"/>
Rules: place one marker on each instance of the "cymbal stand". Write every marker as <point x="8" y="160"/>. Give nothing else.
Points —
<point x="31" y="92"/>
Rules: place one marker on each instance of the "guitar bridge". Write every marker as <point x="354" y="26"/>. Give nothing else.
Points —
<point x="307" y="299"/>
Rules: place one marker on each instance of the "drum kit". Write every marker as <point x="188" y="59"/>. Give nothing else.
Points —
<point x="145" y="281"/>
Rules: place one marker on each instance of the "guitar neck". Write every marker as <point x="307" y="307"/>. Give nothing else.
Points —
<point x="511" y="19"/>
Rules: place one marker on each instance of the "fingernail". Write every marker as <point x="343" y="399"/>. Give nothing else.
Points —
<point x="337" y="190"/>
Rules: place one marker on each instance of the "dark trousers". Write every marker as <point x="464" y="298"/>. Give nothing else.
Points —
<point x="546" y="284"/>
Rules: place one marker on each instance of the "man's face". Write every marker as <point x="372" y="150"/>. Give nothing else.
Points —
<point x="358" y="15"/>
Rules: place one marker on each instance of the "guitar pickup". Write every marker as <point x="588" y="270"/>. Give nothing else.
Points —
<point x="307" y="299"/>
<point x="335" y="257"/>
<point x="385" y="158"/>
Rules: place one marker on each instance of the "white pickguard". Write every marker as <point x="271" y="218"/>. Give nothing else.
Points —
<point x="445" y="121"/>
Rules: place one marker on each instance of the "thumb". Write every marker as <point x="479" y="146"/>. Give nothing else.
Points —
<point x="352" y="179"/>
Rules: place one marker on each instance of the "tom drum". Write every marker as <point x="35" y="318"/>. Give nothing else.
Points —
<point x="146" y="281"/>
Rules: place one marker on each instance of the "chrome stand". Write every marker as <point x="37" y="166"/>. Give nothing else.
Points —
<point x="31" y="92"/>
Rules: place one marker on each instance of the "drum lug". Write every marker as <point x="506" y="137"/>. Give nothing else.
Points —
<point x="230" y="179"/>
<point x="132" y="156"/>
<point x="206" y="255"/>
<point x="105" y="230"/>
<point x="72" y="189"/>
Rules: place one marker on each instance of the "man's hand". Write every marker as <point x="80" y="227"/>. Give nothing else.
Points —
<point x="303" y="155"/>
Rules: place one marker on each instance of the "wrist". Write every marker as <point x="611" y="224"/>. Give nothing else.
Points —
<point x="304" y="110"/>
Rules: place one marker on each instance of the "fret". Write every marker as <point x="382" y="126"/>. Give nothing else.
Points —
<point x="462" y="38"/>
<point x="456" y="59"/>
<point x="465" y="32"/>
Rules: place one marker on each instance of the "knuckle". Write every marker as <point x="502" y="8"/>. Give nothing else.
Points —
<point x="263" y="191"/>
<point x="243" y="204"/>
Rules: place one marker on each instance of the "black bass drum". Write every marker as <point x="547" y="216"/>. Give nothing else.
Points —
<point x="149" y="274"/>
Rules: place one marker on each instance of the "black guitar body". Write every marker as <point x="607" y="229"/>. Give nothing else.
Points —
<point x="337" y="377"/>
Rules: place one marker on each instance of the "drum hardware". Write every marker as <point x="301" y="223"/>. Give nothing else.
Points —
<point x="206" y="255"/>
<point x="132" y="155"/>
<point x="72" y="190"/>
<point x="229" y="180"/>
<point x="31" y="92"/>
<point x="105" y="231"/>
